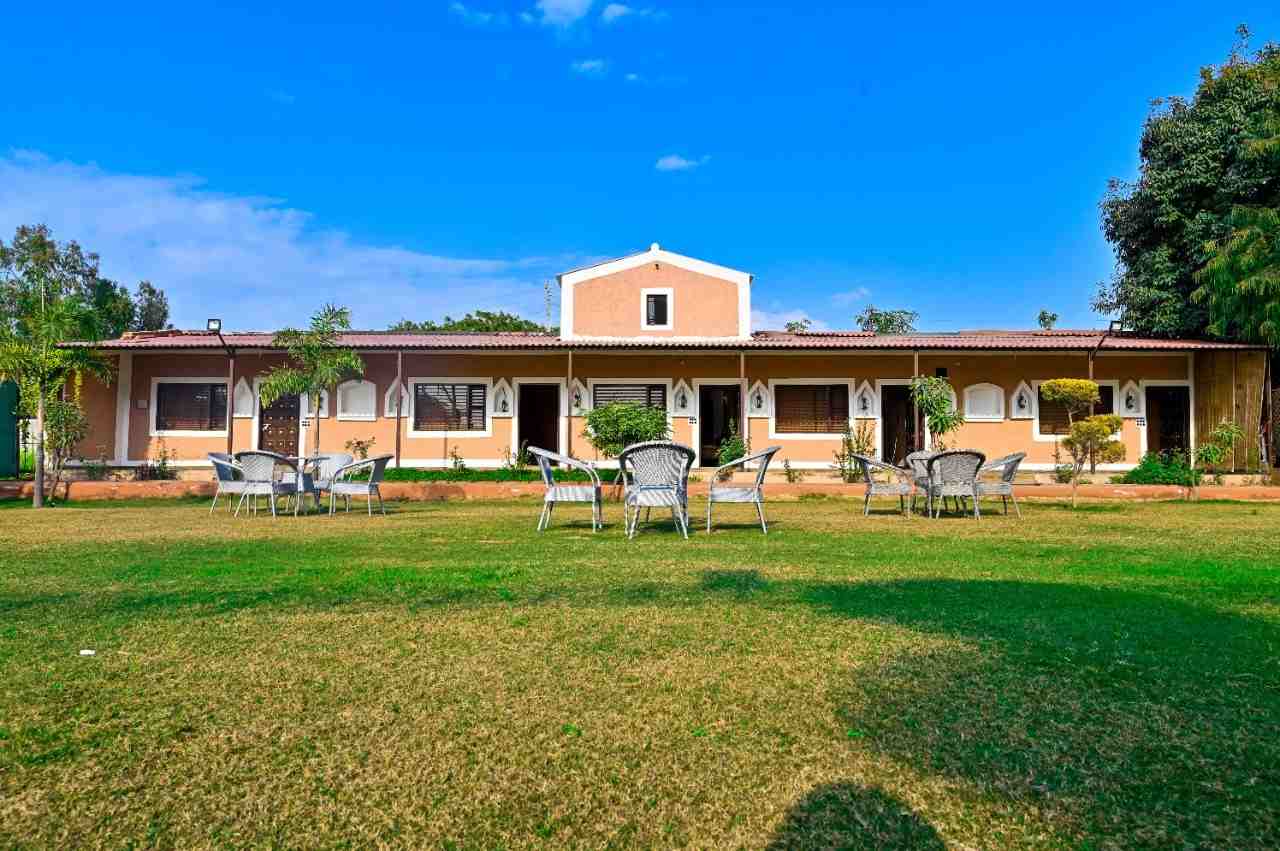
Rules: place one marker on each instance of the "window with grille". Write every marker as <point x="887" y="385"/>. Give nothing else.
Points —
<point x="655" y="309"/>
<point x="811" y="408"/>
<point x="1053" y="415"/>
<point x="189" y="406"/>
<point x="449" y="407"/>
<point x="652" y="395"/>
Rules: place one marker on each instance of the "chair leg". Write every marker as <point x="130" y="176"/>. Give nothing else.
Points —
<point x="709" y="504"/>
<point x="977" y="513"/>
<point x="866" y="503"/>
<point x="331" y="503"/>
<point x="764" y="527"/>
<point x="1016" y="510"/>
<point x="215" y="500"/>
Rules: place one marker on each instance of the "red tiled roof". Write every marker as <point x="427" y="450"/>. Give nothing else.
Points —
<point x="1082" y="340"/>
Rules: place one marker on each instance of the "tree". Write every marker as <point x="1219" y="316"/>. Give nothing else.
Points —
<point x="934" y="397"/>
<point x="480" y="320"/>
<point x="1077" y="395"/>
<point x="1200" y="161"/>
<point x="1047" y="320"/>
<point x="65" y="427"/>
<point x="316" y="362"/>
<point x="886" y="321"/>
<point x="798" y="326"/>
<point x="1090" y="440"/>
<point x="150" y="308"/>
<point x="40" y="283"/>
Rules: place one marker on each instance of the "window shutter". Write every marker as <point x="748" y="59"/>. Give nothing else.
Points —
<point x="181" y="406"/>
<point x="811" y="408"/>
<point x="449" y="407"/>
<point x="652" y="395"/>
<point x="1053" y="416"/>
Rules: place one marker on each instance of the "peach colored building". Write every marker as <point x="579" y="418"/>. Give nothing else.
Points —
<point x="666" y="330"/>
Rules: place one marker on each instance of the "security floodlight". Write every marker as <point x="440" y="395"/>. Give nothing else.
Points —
<point x="214" y="326"/>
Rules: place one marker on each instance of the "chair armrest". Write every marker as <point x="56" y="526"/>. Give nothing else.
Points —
<point x="575" y="464"/>
<point x="347" y="468"/>
<point x="905" y="475"/>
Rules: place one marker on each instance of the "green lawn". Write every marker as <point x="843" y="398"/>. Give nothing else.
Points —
<point x="447" y="677"/>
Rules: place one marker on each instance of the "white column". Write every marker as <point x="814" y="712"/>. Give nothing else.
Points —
<point x="124" y="405"/>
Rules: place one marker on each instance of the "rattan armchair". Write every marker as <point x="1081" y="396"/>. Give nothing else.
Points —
<point x="902" y="482"/>
<point x="558" y="492"/>
<point x="753" y="494"/>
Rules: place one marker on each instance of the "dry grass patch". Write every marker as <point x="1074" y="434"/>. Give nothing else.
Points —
<point x="447" y="677"/>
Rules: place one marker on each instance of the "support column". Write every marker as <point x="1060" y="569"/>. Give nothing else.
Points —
<point x="124" y="405"/>
<point x="568" y="389"/>
<point x="918" y="431"/>
<point x="231" y="402"/>
<point x="744" y="426"/>
<point x="399" y="399"/>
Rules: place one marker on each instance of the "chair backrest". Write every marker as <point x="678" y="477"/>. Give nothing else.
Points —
<point x="379" y="468"/>
<point x="330" y="463"/>
<point x="866" y="465"/>
<point x="960" y="466"/>
<point x="763" y="457"/>
<point x="1008" y="465"/>
<point x="658" y="462"/>
<point x="259" y="466"/>
<point x="919" y="463"/>
<point x="224" y="468"/>
<point x="545" y="459"/>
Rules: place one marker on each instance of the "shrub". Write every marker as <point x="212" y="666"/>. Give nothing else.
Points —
<point x="793" y="475"/>
<point x="1156" y="468"/>
<point x="933" y="397"/>
<point x="853" y="443"/>
<point x="613" y="427"/>
<point x="466" y="474"/>
<point x="731" y="448"/>
<point x="1091" y="439"/>
<point x="359" y="448"/>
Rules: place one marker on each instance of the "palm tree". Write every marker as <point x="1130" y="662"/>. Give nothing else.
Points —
<point x="316" y="362"/>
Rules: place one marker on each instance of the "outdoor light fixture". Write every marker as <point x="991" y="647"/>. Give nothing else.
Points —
<point x="213" y="325"/>
<point x="1022" y="401"/>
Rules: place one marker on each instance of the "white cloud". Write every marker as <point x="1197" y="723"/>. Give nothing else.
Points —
<point x="675" y="162"/>
<point x="615" y="12"/>
<point x="776" y="320"/>
<point x="559" y="13"/>
<point x="633" y="78"/>
<point x="588" y="66"/>
<point x="477" y="17"/>
<point x="253" y="261"/>
<point x="849" y="297"/>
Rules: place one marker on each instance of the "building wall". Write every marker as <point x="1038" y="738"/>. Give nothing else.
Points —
<point x="488" y="449"/>
<point x="611" y="306"/>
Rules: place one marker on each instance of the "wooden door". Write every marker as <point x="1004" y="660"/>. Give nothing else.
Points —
<point x="1168" y="419"/>
<point x="279" y="424"/>
<point x="719" y="409"/>
<point x="539" y="412"/>
<point x="897" y="432"/>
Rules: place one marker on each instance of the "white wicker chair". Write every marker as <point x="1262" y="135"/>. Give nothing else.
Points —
<point x="1007" y="468"/>
<point x="753" y="494"/>
<point x="228" y="477"/>
<point x="557" y="493"/>
<point x="655" y="474"/>
<point x="343" y="484"/>
<point x="902" y="485"/>
<point x="322" y="470"/>
<point x="270" y="475"/>
<point x="955" y="475"/>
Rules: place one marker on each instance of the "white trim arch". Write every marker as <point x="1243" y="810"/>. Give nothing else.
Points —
<point x="357" y="400"/>
<point x="984" y="403"/>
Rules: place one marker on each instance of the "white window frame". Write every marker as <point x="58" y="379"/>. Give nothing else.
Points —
<point x="998" y="417"/>
<point x="411" y="384"/>
<point x="372" y="415"/>
<point x="155" y="388"/>
<point x="670" y="293"/>
<point x="1113" y="383"/>
<point x="775" y="383"/>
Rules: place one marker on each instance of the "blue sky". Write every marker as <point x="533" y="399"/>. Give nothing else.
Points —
<point x="417" y="159"/>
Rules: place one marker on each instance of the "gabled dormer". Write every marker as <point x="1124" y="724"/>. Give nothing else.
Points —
<point x="655" y="293"/>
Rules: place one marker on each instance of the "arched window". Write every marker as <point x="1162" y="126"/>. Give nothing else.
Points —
<point x="984" y="403"/>
<point x="357" y="400"/>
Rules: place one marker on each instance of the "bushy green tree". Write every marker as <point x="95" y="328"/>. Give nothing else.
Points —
<point x="933" y="396"/>
<point x="1047" y="319"/>
<point x="615" y="426"/>
<point x="1201" y="160"/>
<point x="40" y="284"/>
<point x="1092" y="439"/>
<point x="479" y="320"/>
<point x="880" y="321"/>
<point x="316" y="362"/>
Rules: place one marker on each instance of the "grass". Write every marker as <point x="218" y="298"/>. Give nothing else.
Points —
<point x="446" y="677"/>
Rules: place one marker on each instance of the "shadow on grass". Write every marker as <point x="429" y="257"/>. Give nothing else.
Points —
<point x="849" y="816"/>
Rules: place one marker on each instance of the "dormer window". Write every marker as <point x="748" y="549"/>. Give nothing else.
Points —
<point x="655" y="309"/>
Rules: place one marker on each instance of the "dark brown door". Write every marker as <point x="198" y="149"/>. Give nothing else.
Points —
<point x="897" y="432"/>
<point x="1168" y="419"/>
<point x="719" y="409"/>
<point x="278" y="426"/>
<point x="539" y="413"/>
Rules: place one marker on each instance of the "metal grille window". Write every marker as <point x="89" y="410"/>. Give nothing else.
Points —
<point x="655" y="309"/>
<point x="652" y="395"/>
<point x="449" y="407"/>
<point x="1053" y="415"/>
<point x="184" y="406"/>
<point x="811" y="408"/>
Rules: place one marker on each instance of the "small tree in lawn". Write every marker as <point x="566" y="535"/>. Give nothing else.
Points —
<point x="66" y="427"/>
<point x="316" y="362"/>
<point x="1077" y="396"/>
<point x="933" y="397"/>
<point x="1213" y="451"/>
<point x="1092" y="438"/>
<point x="613" y="427"/>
